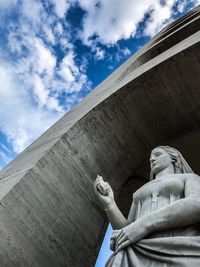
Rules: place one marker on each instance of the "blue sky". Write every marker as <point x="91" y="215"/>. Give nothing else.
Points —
<point x="54" y="52"/>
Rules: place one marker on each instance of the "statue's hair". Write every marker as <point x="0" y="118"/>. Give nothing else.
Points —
<point x="180" y="164"/>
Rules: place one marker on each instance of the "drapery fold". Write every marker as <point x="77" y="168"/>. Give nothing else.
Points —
<point x="178" y="251"/>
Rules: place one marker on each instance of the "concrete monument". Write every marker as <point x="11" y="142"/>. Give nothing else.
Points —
<point x="162" y="226"/>
<point x="49" y="215"/>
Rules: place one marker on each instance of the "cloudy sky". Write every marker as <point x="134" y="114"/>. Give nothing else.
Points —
<point x="54" y="52"/>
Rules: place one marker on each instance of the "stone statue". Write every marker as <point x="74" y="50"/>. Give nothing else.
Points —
<point x="162" y="226"/>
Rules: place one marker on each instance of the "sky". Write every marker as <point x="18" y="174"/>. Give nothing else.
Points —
<point x="55" y="52"/>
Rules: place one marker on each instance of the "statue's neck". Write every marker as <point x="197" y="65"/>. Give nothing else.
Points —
<point x="167" y="171"/>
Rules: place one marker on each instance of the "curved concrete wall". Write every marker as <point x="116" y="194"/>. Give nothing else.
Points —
<point x="49" y="215"/>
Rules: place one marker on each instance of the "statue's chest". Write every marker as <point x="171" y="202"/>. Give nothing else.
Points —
<point x="164" y="188"/>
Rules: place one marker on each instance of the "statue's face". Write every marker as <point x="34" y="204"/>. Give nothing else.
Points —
<point x="159" y="160"/>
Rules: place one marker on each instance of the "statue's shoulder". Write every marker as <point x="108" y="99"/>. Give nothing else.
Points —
<point x="189" y="179"/>
<point x="191" y="176"/>
<point x="184" y="176"/>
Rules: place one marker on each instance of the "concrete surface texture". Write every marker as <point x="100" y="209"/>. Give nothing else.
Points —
<point x="49" y="213"/>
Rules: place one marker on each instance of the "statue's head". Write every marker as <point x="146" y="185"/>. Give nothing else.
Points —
<point x="164" y="156"/>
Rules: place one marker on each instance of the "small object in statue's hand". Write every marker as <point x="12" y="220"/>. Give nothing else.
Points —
<point x="102" y="187"/>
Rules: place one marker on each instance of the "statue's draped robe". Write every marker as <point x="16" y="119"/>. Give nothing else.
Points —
<point x="179" y="247"/>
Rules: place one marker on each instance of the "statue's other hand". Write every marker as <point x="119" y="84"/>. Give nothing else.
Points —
<point x="103" y="192"/>
<point x="130" y="234"/>
<point x="119" y="240"/>
<point x="112" y="243"/>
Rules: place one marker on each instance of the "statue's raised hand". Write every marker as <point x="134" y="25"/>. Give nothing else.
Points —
<point x="103" y="192"/>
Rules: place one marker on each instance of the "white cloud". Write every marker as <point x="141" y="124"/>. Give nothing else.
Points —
<point x="33" y="11"/>
<point x="181" y="5"/>
<point x="65" y="44"/>
<point x="49" y="34"/>
<point x="17" y="112"/>
<point x="42" y="58"/>
<point x="68" y="68"/>
<point x="100" y="53"/>
<point x="61" y="7"/>
<point x="112" y="24"/>
<point x="40" y="72"/>
<point x="159" y="17"/>
<point x="40" y="92"/>
<point x="66" y="73"/>
<point x="126" y="51"/>
<point x="113" y="20"/>
<point x="73" y="77"/>
<point x="59" y="28"/>
<point x="38" y="58"/>
<point x="6" y="4"/>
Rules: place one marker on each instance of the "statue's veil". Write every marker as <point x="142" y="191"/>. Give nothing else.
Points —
<point x="180" y="164"/>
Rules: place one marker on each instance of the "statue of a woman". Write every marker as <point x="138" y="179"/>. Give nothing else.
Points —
<point x="162" y="226"/>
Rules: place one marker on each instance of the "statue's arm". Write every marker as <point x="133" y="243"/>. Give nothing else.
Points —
<point x="106" y="198"/>
<point x="115" y="217"/>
